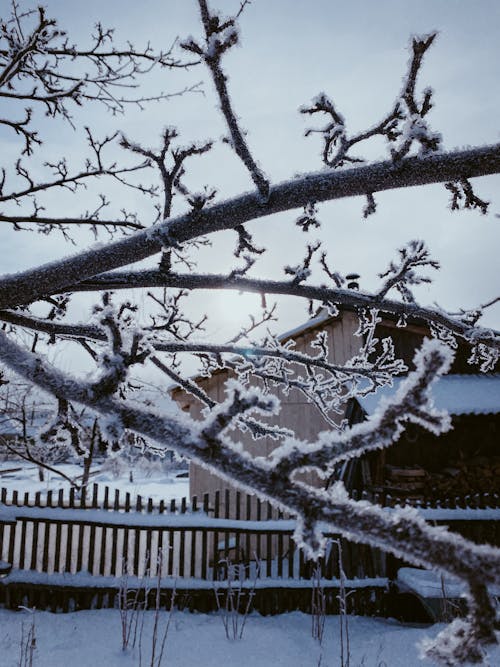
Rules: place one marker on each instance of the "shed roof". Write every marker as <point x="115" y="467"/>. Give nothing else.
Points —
<point x="458" y="394"/>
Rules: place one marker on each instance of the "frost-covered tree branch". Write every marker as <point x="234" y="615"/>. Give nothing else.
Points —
<point x="459" y="324"/>
<point x="27" y="286"/>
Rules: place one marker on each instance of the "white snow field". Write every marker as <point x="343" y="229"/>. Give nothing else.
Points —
<point x="154" y="483"/>
<point x="93" y="639"/>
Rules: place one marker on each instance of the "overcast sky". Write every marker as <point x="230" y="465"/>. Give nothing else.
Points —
<point x="356" y="52"/>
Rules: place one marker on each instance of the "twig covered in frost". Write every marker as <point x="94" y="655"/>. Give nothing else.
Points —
<point x="220" y="35"/>
<point x="405" y="122"/>
<point x="400" y="276"/>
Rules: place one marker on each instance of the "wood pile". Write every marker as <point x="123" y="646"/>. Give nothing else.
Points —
<point x="459" y="478"/>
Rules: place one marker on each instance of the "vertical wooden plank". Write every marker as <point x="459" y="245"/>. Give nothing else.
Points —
<point x="204" y="539"/>
<point x="161" y="507"/>
<point x="237" y="534"/>
<point x="192" y="568"/>
<point x="46" y="548"/>
<point x="291" y="554"/>
<point x="69" y="547"/>
<point x="215" y="545"/>
<point x="150" y="505"/>
<point x="2" y="541"/>
<point x="22" y="550"/>
<point x="124" y="554"/>
<point x="106" y="498"/>
<point x="172" y="506"/>
<point x="280" y="555"/>
<point x="26" y="500"/>
<point x="49" y="498"/>
<point x="15" y="498"/>
<point x="57" y="550"/>
<point x="12" y="541"/>
<point x="194" y="504"/>
<point x="149" y="555"/>
<point x="248" y="540"/>
<point x="181" y="550"/>
<point x="116" y="504"/>
<point x="72" y="497"/>
<point x="170" y="553"/>
<point x="227" y="510"/>
<point x="302" y="565"/>
<point x="161" y="554"/>
<point x="138" y="503"/>
<point x="95" y="496"/>
<point x="92" y="547"/>
<point x="114" y="543"/>
<point x="127" y="502"/>
<point x="269" y="544"/>
<point x="259" y="518"/>
<point x="104" y="545"/>
<point x="137" y="544"/>
<point x="183" y="505"/>
<point x="60" y="498"/>
<point x="34" y="545"/>
<point x="3" y="496"/>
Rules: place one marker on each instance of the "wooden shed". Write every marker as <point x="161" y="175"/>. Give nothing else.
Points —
<point x="457" y="465"/>
<point x="462" y="462"/>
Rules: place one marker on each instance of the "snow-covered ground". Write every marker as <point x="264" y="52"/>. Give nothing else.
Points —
<point x="153" y="482"/>
<point x="93" y="639"/>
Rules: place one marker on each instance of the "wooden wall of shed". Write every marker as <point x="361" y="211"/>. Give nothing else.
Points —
<point x="296" y="413"/>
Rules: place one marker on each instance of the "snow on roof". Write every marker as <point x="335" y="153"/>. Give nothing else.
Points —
<point x="458" y="394"/>
<point x="305" y="326"/>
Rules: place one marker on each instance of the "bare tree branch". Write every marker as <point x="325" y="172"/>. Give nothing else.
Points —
<point x="30" y="285"/>
<point x="221" y="35"/>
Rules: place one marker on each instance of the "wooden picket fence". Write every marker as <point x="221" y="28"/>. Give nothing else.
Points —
<point x="70" y="546"/>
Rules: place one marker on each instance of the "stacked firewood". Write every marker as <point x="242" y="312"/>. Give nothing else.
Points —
<point x="459" y="478"/>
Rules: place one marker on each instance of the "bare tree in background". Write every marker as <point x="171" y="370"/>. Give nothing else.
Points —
<point x="40" y="67"/>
